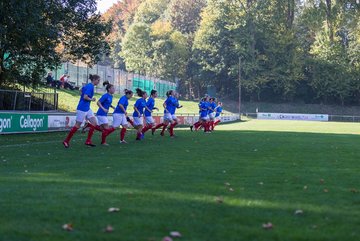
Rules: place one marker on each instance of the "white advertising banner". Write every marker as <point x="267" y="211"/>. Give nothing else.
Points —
<point x="289" y="116"/>
<point x="61" y="122"/>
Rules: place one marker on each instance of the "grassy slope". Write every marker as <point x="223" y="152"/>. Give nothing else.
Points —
<point x="68" y="101"/>
<point x="165" y="184"/>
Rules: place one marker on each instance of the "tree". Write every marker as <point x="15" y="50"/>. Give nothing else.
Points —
<point x="121" y="15"/>
<point x="33" y="31"/>
<point x="184" y="15"/>
<point x="137" y="48"/>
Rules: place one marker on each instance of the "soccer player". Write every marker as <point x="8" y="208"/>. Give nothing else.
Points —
<point x="83" y="111"/>
<point x="150" y="123"/>
<point x="139" y="107"/>
<point x="104" y="104"/>
<point x="170" y="105"/>
<point x="120" y="114"/>
<point x="175" y="106"/>
<point x="204" y="117"/>
<point x="219" y="110"/>
<point x="212" y="107"/>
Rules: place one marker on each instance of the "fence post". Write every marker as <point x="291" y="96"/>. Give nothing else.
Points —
<point x="15" y="100"/>
<point x="43" y="102"/>
<point x="30" y="103"/>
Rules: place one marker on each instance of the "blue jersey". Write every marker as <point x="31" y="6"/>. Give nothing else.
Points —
<point x="200" y="103"/>
<point x="140" y="105"/>
<point x="84" y="105"/>
<point x="105" y="101"/>
<point x="212" y="106"/>
<point x="170" y="105"/>
<point x="204" y="108"/>
<point x="150" y="104"/>
<point x="124" y="102"/>
<point x="175" y="106"/>
<point x="218" y="111"/>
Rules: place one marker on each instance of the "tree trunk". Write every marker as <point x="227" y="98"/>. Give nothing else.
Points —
<point x="329" y="20"/>
<point x="2" y="69"/>
<point x="290" y="13"/>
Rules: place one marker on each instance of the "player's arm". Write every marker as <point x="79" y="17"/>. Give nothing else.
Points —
<point x="102" y="107"/>
<point x="122" y="108"/>
<point x="87" y="98"/>
<point x="148" y="109"/>
<point x="164" y="105"/>
<point x="136" y="109"/>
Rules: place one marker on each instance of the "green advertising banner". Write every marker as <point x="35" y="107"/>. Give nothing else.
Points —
<point x="16" y="123"/>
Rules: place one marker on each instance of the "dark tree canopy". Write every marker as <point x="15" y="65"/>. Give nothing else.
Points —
<point x="38" y="34"/>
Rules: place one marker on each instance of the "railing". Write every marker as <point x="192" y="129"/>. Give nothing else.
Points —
<point x="28" y="101"/>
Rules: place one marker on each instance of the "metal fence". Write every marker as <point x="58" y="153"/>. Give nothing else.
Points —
<point x="79" y="74"/>
<point x="28" y="101"/>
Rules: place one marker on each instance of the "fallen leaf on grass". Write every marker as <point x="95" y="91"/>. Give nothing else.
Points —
<point x="322" y="181"/>
<point x="261" y="183"/>
<point x="227" y="184"/>
<point x="167" y="238"/>
<point x="113" y="210"/>
<point x="109" y="229"/>
<point x="299" y="212"/>
<point x="267" y="225"/>
<point x="231" y="189"/>
<point x="68" y="227"/>
<point x="305" y="187"/>
<point x="219" y="199"/>
<point x="326" y="190"/>
<point x="175" y="234"/>
<point x="353" y="190"/>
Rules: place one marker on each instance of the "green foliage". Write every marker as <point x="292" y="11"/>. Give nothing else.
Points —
<point x="36" y="35"/>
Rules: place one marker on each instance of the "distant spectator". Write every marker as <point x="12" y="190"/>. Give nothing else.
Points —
<point x="62" y="80"/>
<point x="67" y="83"/>
<point x="49" y="79"/>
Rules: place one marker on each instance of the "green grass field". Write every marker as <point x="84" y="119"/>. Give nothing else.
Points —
<point x="160" y="185"/>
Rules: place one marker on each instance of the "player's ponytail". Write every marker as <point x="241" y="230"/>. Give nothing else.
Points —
<point x="140" y="92"/>
<point x="153" y="92"/>
<point x="107" y="85"/>
<point x="128" y="92"/>
<point x="169" y="93"/>
<point x="94" y="77"/>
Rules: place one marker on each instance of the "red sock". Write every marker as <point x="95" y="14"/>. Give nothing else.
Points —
<point x="197" y="125"/>
<point x="172" y="128"/>
<point x="158" y="126"/>
<point x="163" y="129"/>
<point x="211" y="125"/>
<point x="98" y="128"/>
<point x="90" y="134"/>
<point x="131" y="122"/>
<point x="71" y="133"/>
<point x="105" y="133"/>
<point x="122" y="134"/>
<point x="217" y="122"/>
<point x="146" y="128"/>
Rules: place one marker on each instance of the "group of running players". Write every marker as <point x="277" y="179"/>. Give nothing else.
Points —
<point x="144" y="106"/>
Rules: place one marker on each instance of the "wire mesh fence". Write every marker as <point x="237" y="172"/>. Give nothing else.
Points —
<point x="79" y="76"/>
